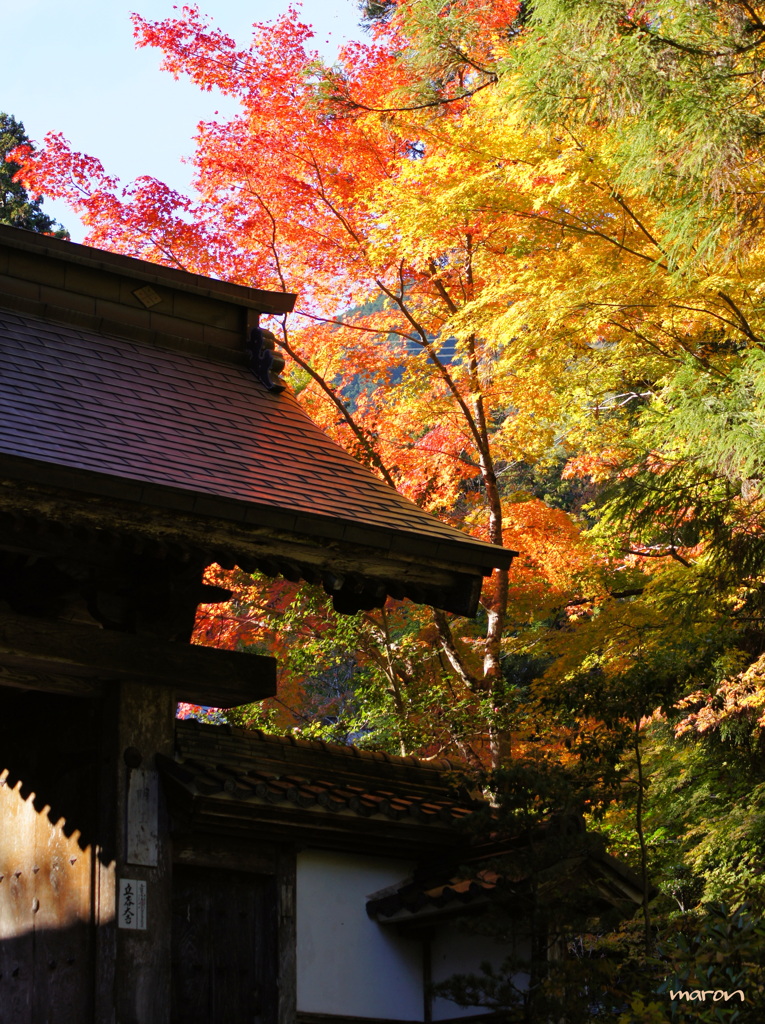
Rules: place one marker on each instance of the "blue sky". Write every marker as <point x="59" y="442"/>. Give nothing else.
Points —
<point x="75" y="69"/>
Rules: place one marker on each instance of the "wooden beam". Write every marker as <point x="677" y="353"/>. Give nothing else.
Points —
<point x="227" y="527"/>
<point x="43" y="654"/>
<point x="249" y="821"/>
<point x="306" y="1017"/>
<point x="206" y="851"/>
<point x="46" y="682"/>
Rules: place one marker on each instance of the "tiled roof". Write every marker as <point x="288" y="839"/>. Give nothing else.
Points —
<point x="206" y="432"/>
<point x="290" y="782"/>
<point x="558" y="859"/>
<point x="419" y="898"/>
<point x="74" y="398"/>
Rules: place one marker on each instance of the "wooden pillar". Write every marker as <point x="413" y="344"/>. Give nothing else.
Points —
<point x="286" y="937"/>
<point x="146" y="720"/>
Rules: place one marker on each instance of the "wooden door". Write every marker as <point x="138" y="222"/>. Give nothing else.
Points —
<point x="48" y="790"/>
<point x="224" y="945"/>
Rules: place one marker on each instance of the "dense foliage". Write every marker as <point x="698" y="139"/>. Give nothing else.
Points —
<point x="528" y="241"/>
<point x="17" y="208"/>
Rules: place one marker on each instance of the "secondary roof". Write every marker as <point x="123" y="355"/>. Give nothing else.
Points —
<point x="234" y="781"/>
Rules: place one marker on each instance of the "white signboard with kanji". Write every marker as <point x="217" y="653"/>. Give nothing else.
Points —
<point x="131" y="907"/>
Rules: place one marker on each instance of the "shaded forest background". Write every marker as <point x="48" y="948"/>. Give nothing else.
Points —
<point x="527" y="240"/>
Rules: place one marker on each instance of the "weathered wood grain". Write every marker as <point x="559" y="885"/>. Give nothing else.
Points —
<point x="71" y="686"/>
<point x="47" y="824"/>
<point x="143" y="817"/>
<point x="53" y="651"/>
<point x="205" y="851"/>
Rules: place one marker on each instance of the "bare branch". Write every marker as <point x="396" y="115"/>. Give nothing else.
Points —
<point x="745" y="326"/>
<point x="418" y="106"/>
<point x="453" y="655"/>
<point x="361" y="436"/>
<point x="671" y="552"/>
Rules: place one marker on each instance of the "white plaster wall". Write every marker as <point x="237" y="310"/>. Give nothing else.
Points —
<point x="346" y="963"/>
<point x="457" y="949"/>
